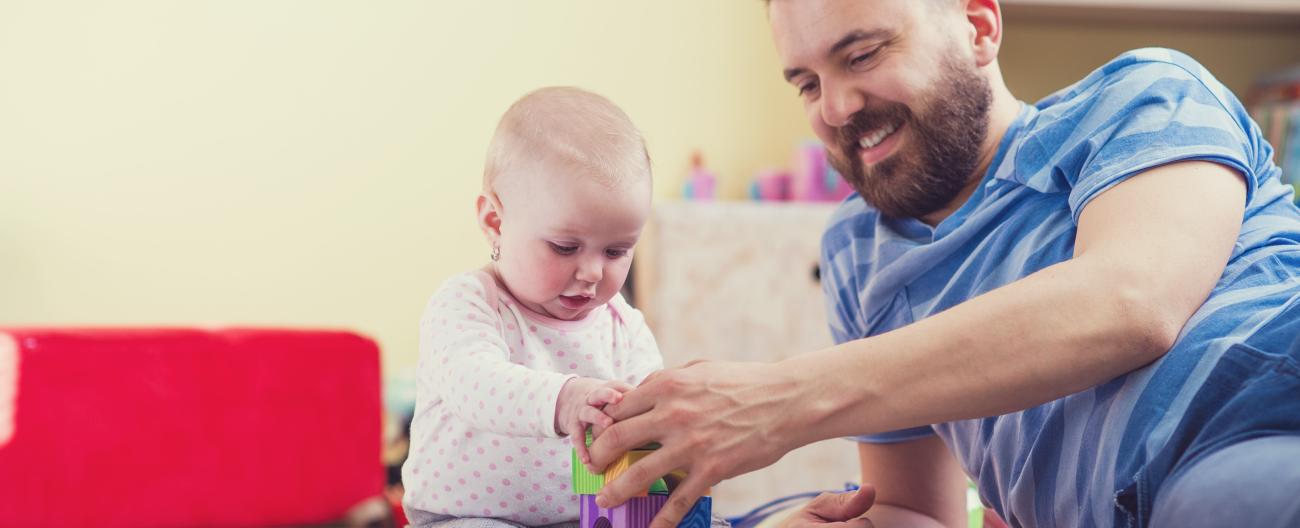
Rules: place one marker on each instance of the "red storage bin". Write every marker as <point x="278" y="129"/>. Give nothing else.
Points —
<point x="178" y="427"/>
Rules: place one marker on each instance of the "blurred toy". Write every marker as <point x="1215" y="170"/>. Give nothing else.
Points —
<point x="771" y="185"/>
<point x="814" y="179"/>
<point x="701" y="182"/>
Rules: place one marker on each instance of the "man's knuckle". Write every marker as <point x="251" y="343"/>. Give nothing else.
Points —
<point x="637" y="474"/>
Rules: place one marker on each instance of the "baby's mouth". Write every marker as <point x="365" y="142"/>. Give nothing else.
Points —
<point x="573" y="302"/>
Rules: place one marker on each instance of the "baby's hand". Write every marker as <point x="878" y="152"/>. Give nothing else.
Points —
<point x="580" y="404"/>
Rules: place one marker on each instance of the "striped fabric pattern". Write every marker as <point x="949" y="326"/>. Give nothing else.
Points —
<point x="1091" y="458"/>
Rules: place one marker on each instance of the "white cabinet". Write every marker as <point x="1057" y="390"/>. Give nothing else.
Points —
<point x="735" y="281"/>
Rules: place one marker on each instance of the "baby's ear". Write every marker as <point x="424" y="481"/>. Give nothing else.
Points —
<point x="489" y="216"/>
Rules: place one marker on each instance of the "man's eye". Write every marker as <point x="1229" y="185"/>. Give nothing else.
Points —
<point x="807" y="88"/>
<point x="857" y="60"/>
<point x="562" y="249"/>
<point x="616" y="253"/>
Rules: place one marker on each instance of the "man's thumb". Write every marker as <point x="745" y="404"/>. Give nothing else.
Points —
<point x="844" y="506"/>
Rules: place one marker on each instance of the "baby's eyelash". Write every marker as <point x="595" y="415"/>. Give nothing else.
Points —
<point x="562" y="249"/>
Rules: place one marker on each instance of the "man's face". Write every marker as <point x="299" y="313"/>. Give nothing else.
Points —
<point x="890" y="90"/>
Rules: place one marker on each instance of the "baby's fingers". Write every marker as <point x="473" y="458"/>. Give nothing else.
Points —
<point x="593" y="416"/>
<point x="579" y="440"/>
<point x="604" y="396"/>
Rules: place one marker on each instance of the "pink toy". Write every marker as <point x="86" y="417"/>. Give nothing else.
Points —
<point x="771" y="185"/>
<point x="814" y="179"/>
<point x="701" y="182"/>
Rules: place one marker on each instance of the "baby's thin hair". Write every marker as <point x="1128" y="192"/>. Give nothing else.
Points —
<point x="569" y="126"/>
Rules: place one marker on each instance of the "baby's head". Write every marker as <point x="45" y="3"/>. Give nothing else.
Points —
<point x="566" y="192"/>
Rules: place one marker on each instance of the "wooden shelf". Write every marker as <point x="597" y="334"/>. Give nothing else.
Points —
<point x="1208" y="14"/>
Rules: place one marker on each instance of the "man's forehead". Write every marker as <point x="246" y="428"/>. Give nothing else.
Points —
<point x="800" y="27"/>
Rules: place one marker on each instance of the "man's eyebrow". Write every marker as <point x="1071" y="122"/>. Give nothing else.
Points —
<point x="847" y="40"/>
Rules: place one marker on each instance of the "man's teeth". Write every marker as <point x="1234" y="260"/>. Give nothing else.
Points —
<point x="876" y="137"/>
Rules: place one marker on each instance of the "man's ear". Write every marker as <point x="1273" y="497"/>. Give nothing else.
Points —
<point x="489" y="216"/>
<point x="985" y="23"/>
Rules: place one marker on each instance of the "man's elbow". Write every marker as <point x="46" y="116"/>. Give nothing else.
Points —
<point x="1146" y="324"/>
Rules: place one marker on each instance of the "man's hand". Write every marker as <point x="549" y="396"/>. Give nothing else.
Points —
<point x="713" y="419"/>
<point x="835" y="510"/>
<point x="580" y="404"/>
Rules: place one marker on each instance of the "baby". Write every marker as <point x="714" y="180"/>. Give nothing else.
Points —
<point x="527" y="350"/>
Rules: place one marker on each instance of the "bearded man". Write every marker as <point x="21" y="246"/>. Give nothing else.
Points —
<point x="1087" y="305"/>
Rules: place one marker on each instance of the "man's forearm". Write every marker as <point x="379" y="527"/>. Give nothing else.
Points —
<point x="1056" y="332"/>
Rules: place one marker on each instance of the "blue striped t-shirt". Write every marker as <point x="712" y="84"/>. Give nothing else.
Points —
<point x="1091" y="458"/>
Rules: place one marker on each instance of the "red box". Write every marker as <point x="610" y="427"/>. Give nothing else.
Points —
<point x="176" y="427"/>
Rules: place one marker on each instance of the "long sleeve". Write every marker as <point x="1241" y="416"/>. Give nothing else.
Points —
<point x="465" y="360"/>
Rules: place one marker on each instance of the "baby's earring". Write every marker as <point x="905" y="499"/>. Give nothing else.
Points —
<point x="496" y="253"/>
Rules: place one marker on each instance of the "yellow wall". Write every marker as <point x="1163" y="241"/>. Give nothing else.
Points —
<point x="314" y="162"/>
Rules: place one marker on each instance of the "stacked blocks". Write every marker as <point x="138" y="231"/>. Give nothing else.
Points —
<point x="587" y="483"/>
<point x="638" y="511"/>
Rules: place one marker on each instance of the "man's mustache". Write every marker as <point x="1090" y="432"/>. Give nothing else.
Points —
<point x="865" y="121"/>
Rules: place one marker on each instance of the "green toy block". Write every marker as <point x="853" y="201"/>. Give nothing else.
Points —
<point x="588" y="483"/>
<point x="585" y="482"/>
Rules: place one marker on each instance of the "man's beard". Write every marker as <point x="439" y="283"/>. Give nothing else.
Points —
<point x="940" y="156"/>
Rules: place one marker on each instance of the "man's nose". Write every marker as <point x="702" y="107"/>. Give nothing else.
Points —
<point x="839" y="102"/>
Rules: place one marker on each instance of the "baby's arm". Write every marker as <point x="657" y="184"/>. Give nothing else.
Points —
<point x="466" y="362"/>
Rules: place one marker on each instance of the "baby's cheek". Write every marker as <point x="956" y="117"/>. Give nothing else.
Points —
<point x="539" y="278"/>
<point x="615" y="276"/>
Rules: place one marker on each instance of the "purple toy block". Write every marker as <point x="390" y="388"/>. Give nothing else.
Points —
<point x="637" y="512"/>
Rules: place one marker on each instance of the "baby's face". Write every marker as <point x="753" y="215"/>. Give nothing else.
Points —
<point x="567" y="240"/>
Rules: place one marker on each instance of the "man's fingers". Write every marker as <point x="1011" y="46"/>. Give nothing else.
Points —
<point x="843" y="506"/>
<point x="680" y="502"/>
<point x="650" y="377"/>
<point x="597" y="430"/>
<point x="636" y="402"/>
<point x="592" y="415"/>
<point x="636" y="478"/>
<point x="619" y="386"/>
<point x="623" y="436"/>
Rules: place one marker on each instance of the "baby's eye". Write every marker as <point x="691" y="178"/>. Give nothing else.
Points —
<point x="616" y="252"/>
<point x="562" y="249"/>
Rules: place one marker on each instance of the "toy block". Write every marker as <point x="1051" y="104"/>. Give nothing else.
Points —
<point x="585" y="482"/>
<point x="637" y="512"/>
<point x="700" y="516"/>
<point x="588" y="483"/>
<point x="619" y="466"/>
<point x="674" y="479"/>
